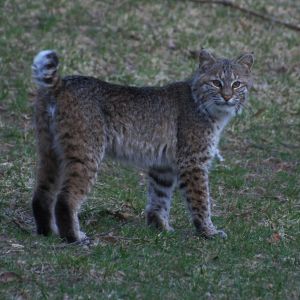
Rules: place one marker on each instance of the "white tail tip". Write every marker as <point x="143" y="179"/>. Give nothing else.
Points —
<point x="44" y="69"/>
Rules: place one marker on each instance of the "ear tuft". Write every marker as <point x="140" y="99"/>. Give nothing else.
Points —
<point x="206" y="58"/>
<point x="246" y="59"/>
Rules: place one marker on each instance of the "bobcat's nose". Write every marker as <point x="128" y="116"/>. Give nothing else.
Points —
<point x="227" y="97"/>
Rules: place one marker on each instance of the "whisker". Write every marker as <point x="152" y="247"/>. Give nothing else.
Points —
<point x="247" y="106"/>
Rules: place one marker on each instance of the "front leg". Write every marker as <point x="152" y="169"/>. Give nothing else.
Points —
<point x="160" y="189"/>
<point x="193" y="182"/>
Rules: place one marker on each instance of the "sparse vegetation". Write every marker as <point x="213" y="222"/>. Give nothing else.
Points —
<point x="256" y="191"/>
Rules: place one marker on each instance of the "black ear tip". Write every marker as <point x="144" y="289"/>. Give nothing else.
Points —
<point x="207" y="54"/>
<point x="250" y="56"/>
<point x="203" y="52"/>
<point x="206" y="58"/>
<point x="246" y="59"/>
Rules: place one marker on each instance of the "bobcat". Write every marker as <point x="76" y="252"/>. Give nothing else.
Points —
<point x="173" y="131"/>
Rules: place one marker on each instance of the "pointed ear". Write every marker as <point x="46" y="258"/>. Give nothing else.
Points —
<point x="246" y="59"/>
<point x="206" y="58"/>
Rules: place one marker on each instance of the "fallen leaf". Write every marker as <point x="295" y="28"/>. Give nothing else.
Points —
<point x="8" y="277"/>
<point x="259" y="112"/>
<point x="123" y="215"/>
<point x="109" y="239"/>
<point x="275" y="238"/>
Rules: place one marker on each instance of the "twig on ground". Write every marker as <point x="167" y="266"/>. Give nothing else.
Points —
<point x="21" y="226"/>
<point x="249" y="12"/>
<point x="118" y="237"/>
<point x="290" y="146"/>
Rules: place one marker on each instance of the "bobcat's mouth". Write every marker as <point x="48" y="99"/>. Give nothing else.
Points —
<point x="225" y="103"/>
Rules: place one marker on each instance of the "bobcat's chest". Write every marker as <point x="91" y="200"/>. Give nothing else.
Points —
<point x="218" y="127"/>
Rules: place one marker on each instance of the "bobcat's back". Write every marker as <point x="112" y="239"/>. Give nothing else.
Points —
<point x="132" y="124"/>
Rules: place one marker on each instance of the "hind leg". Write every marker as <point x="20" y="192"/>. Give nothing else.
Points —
<point x="160" y="189"/>
<point x="81" y="159"/>
<point x="44" y="197"/>
<point x="79" y="177"/>
<point x="47" y="180"/>
<point x="82" y="140"/>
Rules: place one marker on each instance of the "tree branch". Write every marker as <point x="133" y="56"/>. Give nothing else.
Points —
<point x="249" y="12"/>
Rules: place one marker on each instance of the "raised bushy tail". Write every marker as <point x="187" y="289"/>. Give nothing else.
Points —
<point x="45" y="69"/>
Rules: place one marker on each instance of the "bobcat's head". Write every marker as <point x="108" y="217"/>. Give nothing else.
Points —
<point x="220" y="86"/>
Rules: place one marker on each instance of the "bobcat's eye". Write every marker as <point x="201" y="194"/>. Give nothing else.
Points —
<point x="236" y="84"/>
<point x="217" y="83"/>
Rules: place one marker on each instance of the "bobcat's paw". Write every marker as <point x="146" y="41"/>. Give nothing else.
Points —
<point x="167" y="227"/>
<point x="153" y="219"/>
<point x="219" y="233"/>
<point x="208" y="230"/>
<point x="82" y="236"/>
<point x="74" y="237"/>
<point x="210" y="234"/>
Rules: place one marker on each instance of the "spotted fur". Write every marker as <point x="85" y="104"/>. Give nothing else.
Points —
<point x="173" y="131"/>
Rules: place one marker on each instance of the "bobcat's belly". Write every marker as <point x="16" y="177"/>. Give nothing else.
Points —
<point x="144" y="153"/>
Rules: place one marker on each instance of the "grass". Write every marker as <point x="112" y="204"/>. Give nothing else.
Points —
<point x="256" y="191"/>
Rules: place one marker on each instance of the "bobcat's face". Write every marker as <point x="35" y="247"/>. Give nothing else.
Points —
<point x="221" y="85"/>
